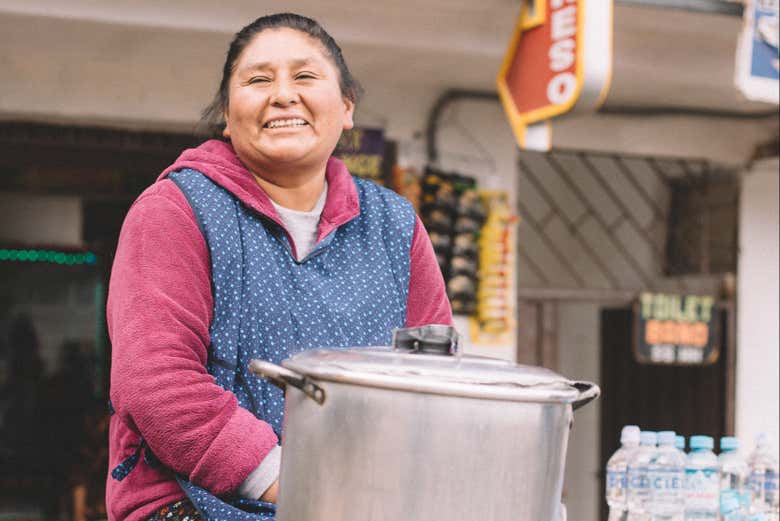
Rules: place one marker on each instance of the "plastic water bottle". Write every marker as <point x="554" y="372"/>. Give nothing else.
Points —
<point x="679" y="443"/>
<point x="638" y="497"/>
<point x="666" y="474"/>
<point x="730" y="508"/>
<point x="617" y="478"/>
<point x="733" y="476"/>
<point x="702" y="481"/>
<point x="763" y="480"/>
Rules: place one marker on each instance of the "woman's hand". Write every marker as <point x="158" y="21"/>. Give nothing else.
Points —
<point x="269" y="495"/>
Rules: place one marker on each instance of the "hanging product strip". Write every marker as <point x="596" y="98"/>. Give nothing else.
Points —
<point x="453" y="214"/>
<point x="494" y="313"/>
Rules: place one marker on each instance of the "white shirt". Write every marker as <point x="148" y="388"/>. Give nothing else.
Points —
<point x="302" y="226"/>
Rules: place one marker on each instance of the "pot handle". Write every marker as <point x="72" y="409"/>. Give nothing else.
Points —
<point x="588" y="392"/>
<point x="282" y="377"/>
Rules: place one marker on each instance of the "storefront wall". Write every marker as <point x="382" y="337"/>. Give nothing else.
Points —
<point x="153" y="78"/>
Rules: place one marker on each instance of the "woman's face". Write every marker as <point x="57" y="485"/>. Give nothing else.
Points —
<point x="286" y="109"/>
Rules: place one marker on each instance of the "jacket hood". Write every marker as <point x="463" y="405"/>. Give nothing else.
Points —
<point x="218" y="161"/>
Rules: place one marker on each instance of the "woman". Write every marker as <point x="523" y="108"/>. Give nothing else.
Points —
<point x="255" y="246"/>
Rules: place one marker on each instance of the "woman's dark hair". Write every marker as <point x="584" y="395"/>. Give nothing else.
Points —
<point x="213" y="115"/>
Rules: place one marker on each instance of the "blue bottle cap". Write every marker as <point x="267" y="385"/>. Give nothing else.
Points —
<point x="729" y="443"/>
<point x="666" y="437"/>
<point x="701" y="442"/>
<point x="679" y="442"/>
<point x="648" y="437"/>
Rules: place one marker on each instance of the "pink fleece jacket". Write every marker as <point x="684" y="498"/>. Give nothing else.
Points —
<point x="159" y="311"/>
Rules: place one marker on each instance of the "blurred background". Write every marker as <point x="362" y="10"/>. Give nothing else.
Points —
<point x="669" y="188"/>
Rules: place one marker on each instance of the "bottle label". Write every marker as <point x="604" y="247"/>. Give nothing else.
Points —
<point x="702" y="489"/>
<point x="771" y="481"/>
<point x="768" y="481"/>
<point x="756" y="481"/>
<point x="770" y="487"/>
<point x="662" y="479"/>
<point x="638" y="479"/>
<point x="617" y="479"/>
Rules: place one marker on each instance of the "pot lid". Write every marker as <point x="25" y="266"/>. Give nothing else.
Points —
<point x="458" y="375"/>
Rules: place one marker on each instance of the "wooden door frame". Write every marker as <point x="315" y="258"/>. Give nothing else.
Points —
<point x="537" y="311"/>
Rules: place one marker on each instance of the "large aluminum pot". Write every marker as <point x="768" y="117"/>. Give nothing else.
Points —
<point x="383" y="434"/>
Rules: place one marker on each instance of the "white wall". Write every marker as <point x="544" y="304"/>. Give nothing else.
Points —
<point x="158" y="70"/>
<point x="578" y="359"/>
<point x="103" y="74"/>
<point x="757" y="299"/>
<point x="40" y="220"/>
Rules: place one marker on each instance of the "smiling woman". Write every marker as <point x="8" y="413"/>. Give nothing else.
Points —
<point x="255" y="245"/>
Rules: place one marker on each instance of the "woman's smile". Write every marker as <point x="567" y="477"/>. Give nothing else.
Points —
<point x="287" y="123"/>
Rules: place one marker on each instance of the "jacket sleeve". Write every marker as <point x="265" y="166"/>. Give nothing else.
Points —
<point x="159" y="311"/>
<point x="427" y="301"/>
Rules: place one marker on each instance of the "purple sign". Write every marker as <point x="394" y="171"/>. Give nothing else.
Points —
<point x="362" y="150"/>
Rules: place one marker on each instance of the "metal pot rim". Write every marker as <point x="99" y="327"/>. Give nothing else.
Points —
<point x="492" y="382"/>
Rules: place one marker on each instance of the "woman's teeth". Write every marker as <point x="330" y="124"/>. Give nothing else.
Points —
<point x="286" y="123"/>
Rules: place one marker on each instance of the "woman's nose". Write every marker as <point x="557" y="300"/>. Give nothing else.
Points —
<point x="284" y="93"/>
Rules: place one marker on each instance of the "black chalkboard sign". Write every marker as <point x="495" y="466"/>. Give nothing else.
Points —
<point x="676" y="329"/>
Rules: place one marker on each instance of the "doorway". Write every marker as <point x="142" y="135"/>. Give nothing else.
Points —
<point x="687" y="399"/>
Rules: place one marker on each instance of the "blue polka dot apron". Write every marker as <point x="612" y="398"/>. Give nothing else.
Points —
<point x="350" y="290"/>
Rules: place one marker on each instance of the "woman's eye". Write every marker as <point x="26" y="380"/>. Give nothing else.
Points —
<point x="259" y="79"/>
<point x="304" y="76"/>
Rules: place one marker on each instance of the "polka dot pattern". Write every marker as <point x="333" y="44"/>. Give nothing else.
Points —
<point x="350" y="291"/>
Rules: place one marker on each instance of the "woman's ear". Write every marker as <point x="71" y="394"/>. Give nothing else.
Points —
<point x="349" y="112"/>
<point x="226" y="130"/>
